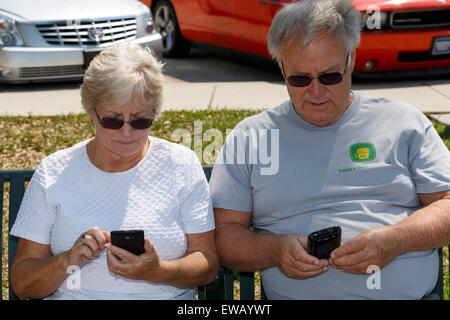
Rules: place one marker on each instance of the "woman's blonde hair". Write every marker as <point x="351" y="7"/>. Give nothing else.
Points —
<point x="121" y="74"/>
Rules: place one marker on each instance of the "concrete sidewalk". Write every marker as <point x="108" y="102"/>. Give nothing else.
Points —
<point x="263" y="95"/>
<point x="217" y="80"/>
<point x="431" y="97"/>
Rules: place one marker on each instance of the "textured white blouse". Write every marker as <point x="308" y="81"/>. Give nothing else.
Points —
<point x="166" y="195"/>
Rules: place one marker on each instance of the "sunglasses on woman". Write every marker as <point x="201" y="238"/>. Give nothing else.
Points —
<point x="327" y="79"/>
<point x="115" y="123"/>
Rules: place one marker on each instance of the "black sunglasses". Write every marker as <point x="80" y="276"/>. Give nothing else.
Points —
<point x="327" y="79"/>
<point x="114" y="123"/>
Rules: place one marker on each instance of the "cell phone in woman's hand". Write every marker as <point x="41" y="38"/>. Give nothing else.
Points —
<point x="130" y="240"/>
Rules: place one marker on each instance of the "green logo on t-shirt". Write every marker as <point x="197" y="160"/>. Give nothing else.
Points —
<point x="361" y="152"/>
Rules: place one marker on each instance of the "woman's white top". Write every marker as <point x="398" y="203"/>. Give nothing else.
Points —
<point x="166" y="195"/>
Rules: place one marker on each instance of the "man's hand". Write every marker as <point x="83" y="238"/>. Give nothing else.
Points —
<point x="375" y="246"/>
<point x="293" y="260"/>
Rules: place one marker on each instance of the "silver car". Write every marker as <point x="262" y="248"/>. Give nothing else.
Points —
<point x="57" y="39"/>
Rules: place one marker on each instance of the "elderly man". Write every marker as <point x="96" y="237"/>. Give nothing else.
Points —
<point x="374" y="167"/>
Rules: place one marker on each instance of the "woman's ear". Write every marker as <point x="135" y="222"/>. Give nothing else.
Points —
<point x="91" y="117"/>
<point x="353" y="60"/>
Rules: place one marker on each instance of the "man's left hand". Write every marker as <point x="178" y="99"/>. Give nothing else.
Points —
<point x="376" y="246"/>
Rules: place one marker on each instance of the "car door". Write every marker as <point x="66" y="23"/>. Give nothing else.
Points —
<point x="236" y="24"/>
<point x="267" y="9"/>
<point x="214" y="22"/>
<point x="248" y="26"/>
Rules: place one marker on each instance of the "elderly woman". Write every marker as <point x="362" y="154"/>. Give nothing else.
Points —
<point x="119" y="180"/>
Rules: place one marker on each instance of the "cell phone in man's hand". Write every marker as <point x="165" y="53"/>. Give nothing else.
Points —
<point x="322" y="242"/>
<point x="130" y="240"/>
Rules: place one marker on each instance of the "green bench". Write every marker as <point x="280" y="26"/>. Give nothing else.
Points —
<point x="221" y="289"/>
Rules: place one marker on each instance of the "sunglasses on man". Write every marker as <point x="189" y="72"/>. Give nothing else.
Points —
<point x="115" y="123"/>
<point x="327" y="79"/>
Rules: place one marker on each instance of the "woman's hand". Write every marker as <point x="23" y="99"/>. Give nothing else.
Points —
<point x="88" y="246"/>
<point x="131" y="266"/>
<point x="198" y="266"/>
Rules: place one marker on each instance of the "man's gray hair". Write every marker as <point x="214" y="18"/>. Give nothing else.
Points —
<point x="308" y="19"/>
<point x="121" y="74"/>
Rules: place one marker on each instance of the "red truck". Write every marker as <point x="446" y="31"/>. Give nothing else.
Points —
<point x="406" y="34"/>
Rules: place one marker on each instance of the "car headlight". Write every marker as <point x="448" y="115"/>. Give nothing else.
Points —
<point x="147" y="17"/>
<point x="9" y="35"/>
<point x="150" y="27"/>
<point x="374" y="20"/>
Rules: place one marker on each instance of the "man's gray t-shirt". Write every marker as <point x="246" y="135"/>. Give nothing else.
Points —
<point x="363" y="171"/>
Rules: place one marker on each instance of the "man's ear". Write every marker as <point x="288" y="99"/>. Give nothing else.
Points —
<point x="280" y="66"/>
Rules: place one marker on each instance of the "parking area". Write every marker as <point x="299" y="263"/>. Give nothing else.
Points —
<point x="224" y="80"/>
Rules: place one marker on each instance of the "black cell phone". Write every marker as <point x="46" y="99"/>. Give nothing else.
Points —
<point x="130" y="240"/>
<point x="322" y="242"/>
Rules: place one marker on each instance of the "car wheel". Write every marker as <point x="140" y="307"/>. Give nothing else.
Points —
<point x="167" y="25"/>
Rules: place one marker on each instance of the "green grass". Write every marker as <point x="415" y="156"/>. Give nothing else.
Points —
<point x="24" y="141"/>
<point x="444" y="132"/>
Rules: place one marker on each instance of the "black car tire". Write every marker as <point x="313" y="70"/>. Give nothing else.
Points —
<point x="166" y="23"/>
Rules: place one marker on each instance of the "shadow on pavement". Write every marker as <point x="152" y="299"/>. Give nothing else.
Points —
<point x="221" y="66"/>
<point x="230" y="66"/>
<point x="41" y="86"/>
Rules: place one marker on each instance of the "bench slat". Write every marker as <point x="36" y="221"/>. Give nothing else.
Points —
<point x="17" y="188"/>
<point x="439" y="288"/>
<point x="247" y="285"/>
<point x="2" y="186"/>
<point x="214" y="290"/>
<point x="229" y="284"/>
